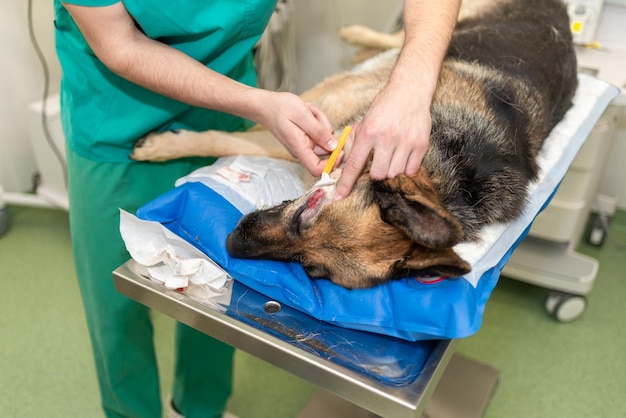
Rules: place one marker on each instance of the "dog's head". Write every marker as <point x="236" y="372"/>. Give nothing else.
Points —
<point x="383" y="230"/>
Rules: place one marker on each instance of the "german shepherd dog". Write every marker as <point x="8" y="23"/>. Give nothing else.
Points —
<point x="508" y="78"/>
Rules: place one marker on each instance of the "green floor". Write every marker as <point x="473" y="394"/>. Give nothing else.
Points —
<point x="549" y="369"/>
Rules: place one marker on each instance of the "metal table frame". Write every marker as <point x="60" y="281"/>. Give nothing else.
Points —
<point x="399" y="402"/>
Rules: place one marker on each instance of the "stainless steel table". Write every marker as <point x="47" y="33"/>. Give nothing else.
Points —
<point x="279" y="335"/>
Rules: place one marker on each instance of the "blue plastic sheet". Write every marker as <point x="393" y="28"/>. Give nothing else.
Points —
<point x="390" y="360"/>
<point x="406" y="308"/>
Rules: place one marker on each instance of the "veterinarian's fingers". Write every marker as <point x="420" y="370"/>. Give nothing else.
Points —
<point x="382" y="159"/>
<point x="322" y="118"/>
<point x="317" y="128"/>
<point x="315" y="136"/>
<point x="319" y="150"/>
<point x="397" y="164"/>
<point x="387" y="157"/>
<point x="311" y="162"/>
<point x="405" y="160"/>
<point x="304" y="149"/>
<point x="357" y="159"/>
<point x="309" y="149"/>
<point x="413" y="163"/>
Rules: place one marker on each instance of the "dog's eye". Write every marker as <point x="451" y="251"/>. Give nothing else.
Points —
<point x="293" y="228"/>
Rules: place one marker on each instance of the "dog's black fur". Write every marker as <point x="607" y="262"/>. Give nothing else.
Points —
<point x="508" y="78"/>
<point x="520" y="54"/>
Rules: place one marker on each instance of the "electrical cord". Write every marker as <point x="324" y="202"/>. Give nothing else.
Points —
<point x="46" y="89"/>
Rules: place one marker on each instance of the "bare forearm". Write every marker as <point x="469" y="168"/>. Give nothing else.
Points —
<point x="174" y="74"/>
<point x="396" y="128"/>
<point x="428" y="27"/>
<point x="171" y="73"/>
<point x="116" y="41"/>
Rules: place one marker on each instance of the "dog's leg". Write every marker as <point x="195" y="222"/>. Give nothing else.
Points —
<point x="172" y="145"/>
<point x="471" y="9"/>
<point x="364" y="37"/>
<point x="343" y="98"/>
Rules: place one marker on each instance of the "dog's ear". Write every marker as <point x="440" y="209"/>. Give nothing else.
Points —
<point x="443" y="262"/>
<point x="411" y="205"/>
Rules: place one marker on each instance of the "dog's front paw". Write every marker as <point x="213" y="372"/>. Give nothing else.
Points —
<point x="364" y="37"/>
<point x="157" y="146"/>
<point x="355" y="35"/>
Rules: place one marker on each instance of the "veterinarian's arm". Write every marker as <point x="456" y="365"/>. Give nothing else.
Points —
<point x="125" y="50"/>
<point x="396" y="129"/>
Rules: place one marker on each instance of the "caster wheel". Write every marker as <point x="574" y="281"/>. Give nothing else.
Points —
<point x="565" y="307"/>
<point x="598" y="230"/>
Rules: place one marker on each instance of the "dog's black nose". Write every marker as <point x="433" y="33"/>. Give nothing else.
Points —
<point x="235" y="246"/>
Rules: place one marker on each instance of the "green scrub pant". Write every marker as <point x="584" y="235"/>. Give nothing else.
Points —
<point x="120" y="329"/>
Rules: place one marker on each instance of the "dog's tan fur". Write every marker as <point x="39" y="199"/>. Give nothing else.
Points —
<point x="508" y="79"/>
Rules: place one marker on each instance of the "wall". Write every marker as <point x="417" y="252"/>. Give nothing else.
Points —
<point x="612" y="36"/>
<point x="319" y="51"/>
<point x="21" y="82"/>
<point x="613" y="184"/>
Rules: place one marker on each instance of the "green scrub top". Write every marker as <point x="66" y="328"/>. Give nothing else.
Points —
<point x="104" y="114"/>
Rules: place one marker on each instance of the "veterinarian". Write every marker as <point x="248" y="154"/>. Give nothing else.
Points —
<point x="136" y="66"/>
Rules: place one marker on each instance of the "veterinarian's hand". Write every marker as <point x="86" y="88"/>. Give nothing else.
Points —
<point x="301" y="127"/>
<point x="114" y="37"/>
<point x="396" y="129"/>
<point x="394" y="133"/>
